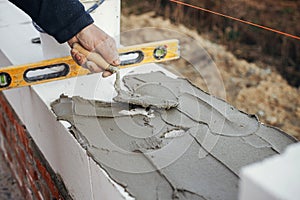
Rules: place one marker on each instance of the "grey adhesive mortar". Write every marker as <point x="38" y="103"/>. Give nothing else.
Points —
<point x="138" y="150"/>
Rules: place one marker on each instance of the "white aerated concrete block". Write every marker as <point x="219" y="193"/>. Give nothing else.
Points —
<point x="107" y="17"/>
<point x="276" y="178"/>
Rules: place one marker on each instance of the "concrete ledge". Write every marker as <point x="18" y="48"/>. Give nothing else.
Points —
<point x="275" y="178"/>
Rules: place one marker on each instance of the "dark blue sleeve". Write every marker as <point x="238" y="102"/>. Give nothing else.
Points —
<point x="60" y="18"/>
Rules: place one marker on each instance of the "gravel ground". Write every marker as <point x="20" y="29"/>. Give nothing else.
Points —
<point x="9" y="189"/>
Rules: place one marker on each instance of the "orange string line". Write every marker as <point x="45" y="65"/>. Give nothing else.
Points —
<point x="237" y="19"/>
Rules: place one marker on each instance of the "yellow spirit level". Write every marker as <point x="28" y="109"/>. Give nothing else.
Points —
<point x="62" y="68"/>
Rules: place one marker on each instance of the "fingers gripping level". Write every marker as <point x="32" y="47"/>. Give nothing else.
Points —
<point x="96" y="58"/>
<point x="62" y="68"/>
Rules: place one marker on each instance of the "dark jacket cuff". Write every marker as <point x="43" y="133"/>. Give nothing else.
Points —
<point x="73" y="28"/>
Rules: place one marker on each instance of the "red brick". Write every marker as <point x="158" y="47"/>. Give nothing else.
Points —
<point x="21" y="179"/>
<point x="5" y="143"/>
<point x="22" y="135"/>
<point x="8" y="152"/>
<point x="22" y="158"/>
<point x="28" y="194"/>
<point x="34" y="177"/>
<point x="9" y="113"/>
<point x="29" y="156"/>
<point x="9" y="158"/>
<point x="60" y="198"/>
<point x="17" y="149"/>
<point x="13" y="138"/>
<point x="3" y="131"/>
<point x="1" y="115"/>
<point x="20" y="170"/>
<point x="27" y="143"/>
<point x="9" y="138"/>
<point x="5" y="121"/>
<point x="32" y="173"/>
<point x="34" y="189"/>
<point x="47" y="178"/>
<point x="43" y="188"/>
<point x="2" y="99"/>
<point x="40" y="166"/>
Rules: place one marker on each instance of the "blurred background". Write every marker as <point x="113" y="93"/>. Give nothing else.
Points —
<point x="260" y="69"/>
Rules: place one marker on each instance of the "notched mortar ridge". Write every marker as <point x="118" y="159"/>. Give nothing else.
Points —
<point x="90" y="105"/>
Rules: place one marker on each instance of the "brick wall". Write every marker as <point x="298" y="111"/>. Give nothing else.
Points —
<point x="34" y="175"/>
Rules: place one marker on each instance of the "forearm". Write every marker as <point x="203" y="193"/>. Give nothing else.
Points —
<point x="62" y="19"/>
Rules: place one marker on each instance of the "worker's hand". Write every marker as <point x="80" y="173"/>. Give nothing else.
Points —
<point x="94" y="39"/>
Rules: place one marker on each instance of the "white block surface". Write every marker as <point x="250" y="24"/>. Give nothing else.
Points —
<point x="107" y="17"/>
<point x="276" y="178"/>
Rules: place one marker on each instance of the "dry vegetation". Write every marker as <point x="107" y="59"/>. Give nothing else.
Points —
<point x="244" y="41"/>
<point x="256" y="88"/>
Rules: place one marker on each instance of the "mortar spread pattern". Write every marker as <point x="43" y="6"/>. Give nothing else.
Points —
<point x="193" y="148"/>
